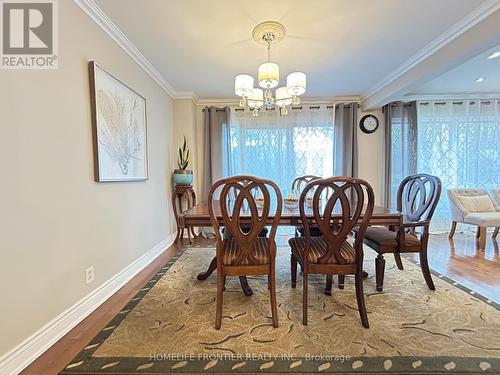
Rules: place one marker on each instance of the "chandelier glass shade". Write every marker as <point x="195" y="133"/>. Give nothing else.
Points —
<point x="256" y="100"/>
<point x="268" y="77"/>
<point x="296" y="83"/>
<point x="283" y="97"/>
<point x="243" y="85"/>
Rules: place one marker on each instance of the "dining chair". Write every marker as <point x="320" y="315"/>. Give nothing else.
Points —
<point x="298" y="185"/>
<point x="332" y="254"/>
<point x="244" y="253"/>
<point x="417" y="198"/>
<point x="244" y="227"/>
<point x="300" y="182"/>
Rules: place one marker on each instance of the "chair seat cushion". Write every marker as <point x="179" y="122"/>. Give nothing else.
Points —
<point x="318" y="248"/>
<point x="483" y="219"/>
<point x="384" y="237"/>
<point x="314" y="230"/>
<point x="232" y="251"/>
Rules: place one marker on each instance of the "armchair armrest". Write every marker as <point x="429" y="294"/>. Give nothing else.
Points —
<point x="495" y="198"/>
<point x="457" y="210"/>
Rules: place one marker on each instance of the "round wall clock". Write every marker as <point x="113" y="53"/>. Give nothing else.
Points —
<point x="368" y="124"/>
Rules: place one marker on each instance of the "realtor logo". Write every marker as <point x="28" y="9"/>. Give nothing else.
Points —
<point x="29" y="34"/>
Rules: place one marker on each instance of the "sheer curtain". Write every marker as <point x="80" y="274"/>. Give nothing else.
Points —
<point x="281" y="147"/>
<point x="459" y="141"/>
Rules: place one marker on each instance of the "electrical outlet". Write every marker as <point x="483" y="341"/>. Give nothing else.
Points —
<point x="89" y="274"/>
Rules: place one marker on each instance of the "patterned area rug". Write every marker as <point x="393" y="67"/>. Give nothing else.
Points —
<point x="168" y="327"/>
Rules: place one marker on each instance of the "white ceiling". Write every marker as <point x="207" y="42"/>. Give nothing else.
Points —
<point x="346" y="47"/>
<point x="462" y="79"/>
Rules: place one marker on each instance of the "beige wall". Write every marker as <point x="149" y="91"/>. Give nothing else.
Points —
<point x="371" y="155"/>
<point x="185" y="126"/>
<point x="55" y="220"/>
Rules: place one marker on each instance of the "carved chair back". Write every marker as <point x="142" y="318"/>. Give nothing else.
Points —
<point x="300" y="182"/>
<point x="242" y="216"/>
<point x="337" y="205"/>
<point x="418" y="196"/>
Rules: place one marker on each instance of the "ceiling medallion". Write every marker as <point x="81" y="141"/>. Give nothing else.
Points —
<point x="268" y="33"/>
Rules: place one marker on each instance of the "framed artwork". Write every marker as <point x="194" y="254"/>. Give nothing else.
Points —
<point x="119" y="129"/>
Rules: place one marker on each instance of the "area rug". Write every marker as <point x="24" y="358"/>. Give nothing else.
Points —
<point x="168" y="327"/>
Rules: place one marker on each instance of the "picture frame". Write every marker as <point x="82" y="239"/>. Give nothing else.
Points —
<point x="119" y="128"/>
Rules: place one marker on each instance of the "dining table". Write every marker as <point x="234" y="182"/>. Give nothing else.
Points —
<point x="198" y="216"/>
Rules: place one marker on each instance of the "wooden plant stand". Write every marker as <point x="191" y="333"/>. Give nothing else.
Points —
<point x="180" y="193"/>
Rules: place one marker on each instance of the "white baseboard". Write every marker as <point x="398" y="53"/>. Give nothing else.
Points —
<point x="14" y="361"/>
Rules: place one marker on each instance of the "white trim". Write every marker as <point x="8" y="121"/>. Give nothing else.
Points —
<point x="110" y="28"/>
<point x="231" y="101"/>
<point x="30" y="349"/>
<point x="187" y="95"/>
<point x="466" y="23"/>
<point x="465" y="96"/>
<point x="105" y="23"/>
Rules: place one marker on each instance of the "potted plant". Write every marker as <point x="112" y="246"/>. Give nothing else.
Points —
<point x="183" y="176"/>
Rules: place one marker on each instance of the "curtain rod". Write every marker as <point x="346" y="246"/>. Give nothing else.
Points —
<point x="216" y="110"/>
<point x="406" y="104"/>
<point x="313" y="107"/>
<point x="293" y="108"/>
<point x="349" y="104"/>
<point x="397" y="104"/>
<point x="472" y="102"/>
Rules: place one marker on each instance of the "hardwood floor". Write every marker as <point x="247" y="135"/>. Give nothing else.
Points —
<point x="60" y="354"/>
<point x="460" y="260"/>
<point x="457" y="259"/>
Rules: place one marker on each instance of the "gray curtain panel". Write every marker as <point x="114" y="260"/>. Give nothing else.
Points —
<point x="216" y="127"/>
<point x="345" y="161"/>
<point x="400" y="146"/>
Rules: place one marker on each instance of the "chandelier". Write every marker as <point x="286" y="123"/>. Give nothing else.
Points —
<point x="267" y="33"/>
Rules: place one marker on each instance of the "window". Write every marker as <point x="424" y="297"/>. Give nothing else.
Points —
<point x="280" y="148"/>
<point x="459" y="142"/>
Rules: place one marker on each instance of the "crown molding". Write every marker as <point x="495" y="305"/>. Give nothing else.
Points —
<point x="105" y="23"/>
<point x="187" y="95"/>
<point x="466" y="23"/>
<point x="305" y="100"/>
<point x="463" y="96"/>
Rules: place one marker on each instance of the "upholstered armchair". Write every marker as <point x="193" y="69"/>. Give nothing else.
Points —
<point x="475" y="207"/>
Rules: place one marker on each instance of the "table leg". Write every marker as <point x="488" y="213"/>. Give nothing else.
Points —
<point x="178" y="235"/>
<point x="245" y="287"/>
<point x="189" y="236"/>
<point x="211" y="268"/>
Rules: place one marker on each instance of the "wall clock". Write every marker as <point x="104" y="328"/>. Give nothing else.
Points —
<point x="368" y="124"/>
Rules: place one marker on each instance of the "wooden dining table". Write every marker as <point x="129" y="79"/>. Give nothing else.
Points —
<point x="198" y="216"/>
